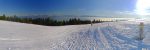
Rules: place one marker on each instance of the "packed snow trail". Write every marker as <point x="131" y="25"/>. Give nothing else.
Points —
<point x="101" y="36"/>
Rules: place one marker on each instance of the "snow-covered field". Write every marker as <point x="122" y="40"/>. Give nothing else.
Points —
<point x="101" y="36"/>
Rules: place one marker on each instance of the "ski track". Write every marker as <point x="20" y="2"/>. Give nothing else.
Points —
<point x="101" y="36"/>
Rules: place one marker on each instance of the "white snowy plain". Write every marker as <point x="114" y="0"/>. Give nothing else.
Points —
<point x="100" y="36"/>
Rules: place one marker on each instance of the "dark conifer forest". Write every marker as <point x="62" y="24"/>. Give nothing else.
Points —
<point x="47" y="21"/>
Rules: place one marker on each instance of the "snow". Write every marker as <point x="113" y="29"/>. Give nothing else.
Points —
<point x="100" y="36"/>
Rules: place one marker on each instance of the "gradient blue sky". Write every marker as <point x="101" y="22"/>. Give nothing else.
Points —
<point x="67" y="7"/>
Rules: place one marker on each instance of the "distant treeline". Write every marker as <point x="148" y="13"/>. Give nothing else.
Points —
<point x="47" y="21"/>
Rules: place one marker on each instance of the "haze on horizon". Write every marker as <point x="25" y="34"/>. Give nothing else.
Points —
<point x="119" y="8"/>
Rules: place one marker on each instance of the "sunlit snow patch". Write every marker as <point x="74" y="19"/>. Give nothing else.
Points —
<point x="9" y="39"/>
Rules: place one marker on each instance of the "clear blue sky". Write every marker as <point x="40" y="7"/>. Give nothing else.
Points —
<point x="67" y="7"/>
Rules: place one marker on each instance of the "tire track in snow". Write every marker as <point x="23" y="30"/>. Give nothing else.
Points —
<point x="103" y="39"/>
<point x="117" y="41"/>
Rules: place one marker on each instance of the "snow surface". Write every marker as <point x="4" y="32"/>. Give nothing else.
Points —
<point x="101" y="36"/>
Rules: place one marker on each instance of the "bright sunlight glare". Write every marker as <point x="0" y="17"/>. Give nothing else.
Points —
<point x="143" y="7"/>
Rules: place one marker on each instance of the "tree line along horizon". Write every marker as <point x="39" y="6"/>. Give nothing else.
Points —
<point x="47" y="21"/>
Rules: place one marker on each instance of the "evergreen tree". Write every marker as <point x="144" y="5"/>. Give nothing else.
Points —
<point x="47" y="21"/>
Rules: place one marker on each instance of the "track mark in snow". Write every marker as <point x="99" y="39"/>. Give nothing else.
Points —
<point x="117" y="41"/>
<point x="103" y="39"/>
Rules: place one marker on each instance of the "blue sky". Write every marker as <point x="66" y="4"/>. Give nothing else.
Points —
<point x="67" y="7"/>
